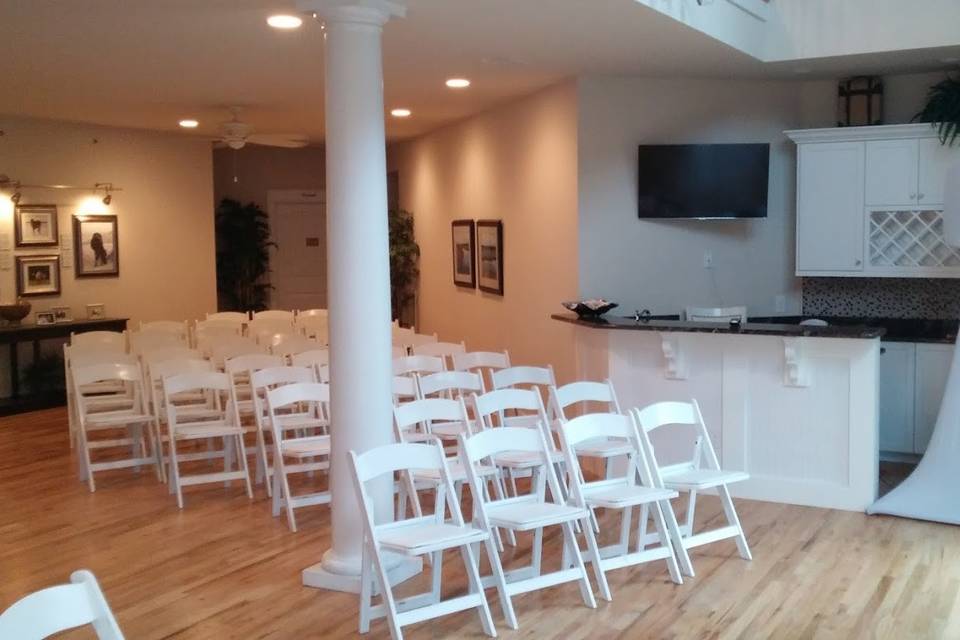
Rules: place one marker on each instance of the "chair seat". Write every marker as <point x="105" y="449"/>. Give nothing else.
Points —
<point x="201" y="430"/>
<point x="298" y="421"/>
<point x="116" y="418"/>
<point x="524" y="459"/>
<point x="604" y="448"/>
<point x="621" y="496"/>
<point x="524" y="516"/>
<point x="420" y="538"/>
<point x="447" y="430"/>
<point x="696" y="479"/>
<point x="305" y="447"/>
<point x="458" y="473"/>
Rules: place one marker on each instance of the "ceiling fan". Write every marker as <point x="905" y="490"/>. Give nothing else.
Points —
<point x="237" y="134"/>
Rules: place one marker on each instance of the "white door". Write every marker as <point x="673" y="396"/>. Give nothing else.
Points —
<point x="830" y="207"/>
<point x="897" y="361"/>
<point x="935" y="159"/>
<point x="299" y="262"/>
<point x="892" y="172"/>
<point x="933" y="365"/>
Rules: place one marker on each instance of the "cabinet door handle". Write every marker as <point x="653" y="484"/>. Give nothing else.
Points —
<point x="858" y="263"/>
<point x="913" y="196"/>
<point x="920" y="196"/>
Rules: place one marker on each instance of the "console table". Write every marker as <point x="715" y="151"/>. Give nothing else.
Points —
<point x="14" y="335"/>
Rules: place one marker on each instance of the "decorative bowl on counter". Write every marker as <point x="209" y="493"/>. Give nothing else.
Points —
<point x="14" y="313"/>
<point x="590" y="309"/>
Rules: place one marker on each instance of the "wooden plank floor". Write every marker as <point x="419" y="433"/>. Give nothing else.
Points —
<point x="224" y="568"/>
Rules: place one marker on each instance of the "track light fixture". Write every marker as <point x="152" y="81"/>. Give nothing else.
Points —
<point x="15" y="198"/>
<point x="107" y="189"/>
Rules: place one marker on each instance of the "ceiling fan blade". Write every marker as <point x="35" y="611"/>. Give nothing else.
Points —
<point x="288" y="140"/>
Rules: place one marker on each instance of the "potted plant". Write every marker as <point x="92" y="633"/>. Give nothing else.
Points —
<point x="404" y="263"/>
<point x="942" y="109"/>
<point x="243" y="256"/>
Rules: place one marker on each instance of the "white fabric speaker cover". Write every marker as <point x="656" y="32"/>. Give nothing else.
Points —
<point x="930" y="493"/>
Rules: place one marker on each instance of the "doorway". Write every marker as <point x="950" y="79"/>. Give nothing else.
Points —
<point x="298" y="264"/>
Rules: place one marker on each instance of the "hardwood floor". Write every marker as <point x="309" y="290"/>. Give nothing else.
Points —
<point x="224" y="568"/>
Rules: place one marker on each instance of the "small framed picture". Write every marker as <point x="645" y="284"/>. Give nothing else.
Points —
<point x="95" y="246"/>
<point x="464" y="254"/>
<point x="35" y="225"/>
<point x="45" y="317"/>
<point x="96" y="311"/>
<point x="38" y="275"/>
<point x="62" y="314"/>
<point x="490" y="254"/>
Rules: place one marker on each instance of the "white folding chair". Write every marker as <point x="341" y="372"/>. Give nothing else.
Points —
<point x="223" y="350"/>
<point x="589" y="397"/>
<point x="528" y="512"/>
<point x="312" y="313"/>
<point x="404" y="390"/>
<point x="103" y="395"/>
<point x="700" y="473"/>
<point x="422" y="535"/>
<point x="240" y="369"/>
<point x="314" y="358"/>
<point x="268" y="378"/>
<point x="264" y="329"/>
<point x="143" y="341"/>
<point x="287" y="345"/>
<point x="106" y="340"/>
<point x="185" y="427"/>
<point x="132" y="419"/>
<point x="539" y="379"/>
<point x="408" y="365"/>
<point x="402" y="337"/>
<point x="207" y="331"/>
<point x="418" y="339"/>
<point x="67" y="606"/>
<point x="308" y="403"/>
<point x="314" y="327"/>
<point x="398" y="352"/>
<point x="482" y="362"/>
<point x="715" y="314"/>
<point x="178" y="328"/>
<point x="621" y="493"/>
<point x="273" y="314"/>
<point x="445" y="350"/>
<point x="449" y="384"/>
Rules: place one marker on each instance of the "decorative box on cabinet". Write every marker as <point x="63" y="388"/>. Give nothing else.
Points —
<point x="870" y="202"/>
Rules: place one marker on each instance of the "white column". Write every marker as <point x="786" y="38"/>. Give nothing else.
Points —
<point x="358" y="268"/>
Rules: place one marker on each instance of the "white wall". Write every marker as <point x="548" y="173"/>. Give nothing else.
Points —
<point x="516" y="163"/>
<point x="165" y="214"/>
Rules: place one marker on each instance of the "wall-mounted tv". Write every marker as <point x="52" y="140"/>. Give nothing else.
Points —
<point x="703" y="180"/>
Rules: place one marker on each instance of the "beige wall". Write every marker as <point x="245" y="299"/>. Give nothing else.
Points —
<point x="259" y="169"/>
<point x="517" y="163"/>
<point x="165" y="214"/>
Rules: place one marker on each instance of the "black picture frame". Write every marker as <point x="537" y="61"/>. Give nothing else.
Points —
<point x="490" y="256"/>
<point x="106" y="251"/>
<point x="464" y="245"/>
<point x="32" y="213"/>
<point x="26" y="288"/>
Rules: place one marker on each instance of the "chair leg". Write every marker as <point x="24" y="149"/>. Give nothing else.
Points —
<point x="660" y="523"/>
<point x="386" y="592"/>
<point x="678" y="543"/>
<point x="691" y="508"/>
<point x="506" y="603"/>
<point x="175" y="471"/>
<point x="366" y="589"/>
<point x="570" y="541"/>
<point x="537" y="551"/>
<point x="286" y="495"/>
<point x="263" y="464"/>
<point x="155" y="449"/>
<point x="625" y="519"/>
<point x="483" y="609"/>
<point x="84" y="446"/>
<point x="436" y="574"/>
<point x="733" y="519"/>
<point x="244" y="463"/>
<point x="642" y="532"/>
<point x="594" y="551"/>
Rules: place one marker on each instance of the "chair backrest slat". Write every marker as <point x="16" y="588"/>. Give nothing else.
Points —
<point x="417" y="364"/>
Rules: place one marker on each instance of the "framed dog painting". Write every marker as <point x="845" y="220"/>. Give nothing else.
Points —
<point x="38" y="275"/>
<point x="35" y="225"/>
<point x="95" y="246"/>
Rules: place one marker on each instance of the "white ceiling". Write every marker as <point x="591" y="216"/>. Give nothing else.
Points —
<point x="148" y="63"/>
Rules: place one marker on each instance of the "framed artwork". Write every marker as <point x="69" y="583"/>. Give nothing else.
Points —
<point x="62" y="314"/>
<point x="45" y="317"/>
<point x="96" y="311"/>
<point x="490" y="256"/>
<point x="38" y="275"/>
<point x="464" y="254"/>
<point x="95" y="246"/>
<point x="35" y="225"/>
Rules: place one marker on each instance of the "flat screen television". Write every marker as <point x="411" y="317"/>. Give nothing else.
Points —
<point x="703" y="181"/>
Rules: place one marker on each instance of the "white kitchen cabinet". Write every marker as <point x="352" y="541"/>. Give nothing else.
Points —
<point x="892" y="172"/>
<point x="832" y="177"/>
<point x="870" y="202"/>
<point x="897" y="367"/>
<point x="932" y="367"/>
<point x="934" y="160"/>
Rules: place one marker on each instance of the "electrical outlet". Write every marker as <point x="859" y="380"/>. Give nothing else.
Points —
<point x="780" y="303"/>
<point x="708" y="259"/>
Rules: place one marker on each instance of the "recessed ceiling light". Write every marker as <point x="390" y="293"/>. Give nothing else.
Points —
<point x="400" y="113"/>
<point x="284" y="21"/>
<point x="189" y="124"/>
<point x="458" y="83"/>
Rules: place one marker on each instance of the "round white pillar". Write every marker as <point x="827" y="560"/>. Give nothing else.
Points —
<point x="358" y="270"/>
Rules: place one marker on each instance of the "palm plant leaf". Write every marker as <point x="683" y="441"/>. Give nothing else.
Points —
<point x="942" y="109"/>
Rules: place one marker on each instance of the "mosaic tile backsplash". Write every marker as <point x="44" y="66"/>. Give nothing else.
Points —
<point x="882" y="297"/>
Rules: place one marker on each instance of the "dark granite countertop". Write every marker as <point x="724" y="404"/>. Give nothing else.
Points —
<point x="666" y="323"/>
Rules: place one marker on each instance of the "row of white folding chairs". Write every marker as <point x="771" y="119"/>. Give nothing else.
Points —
<point x="641" y="483"/>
